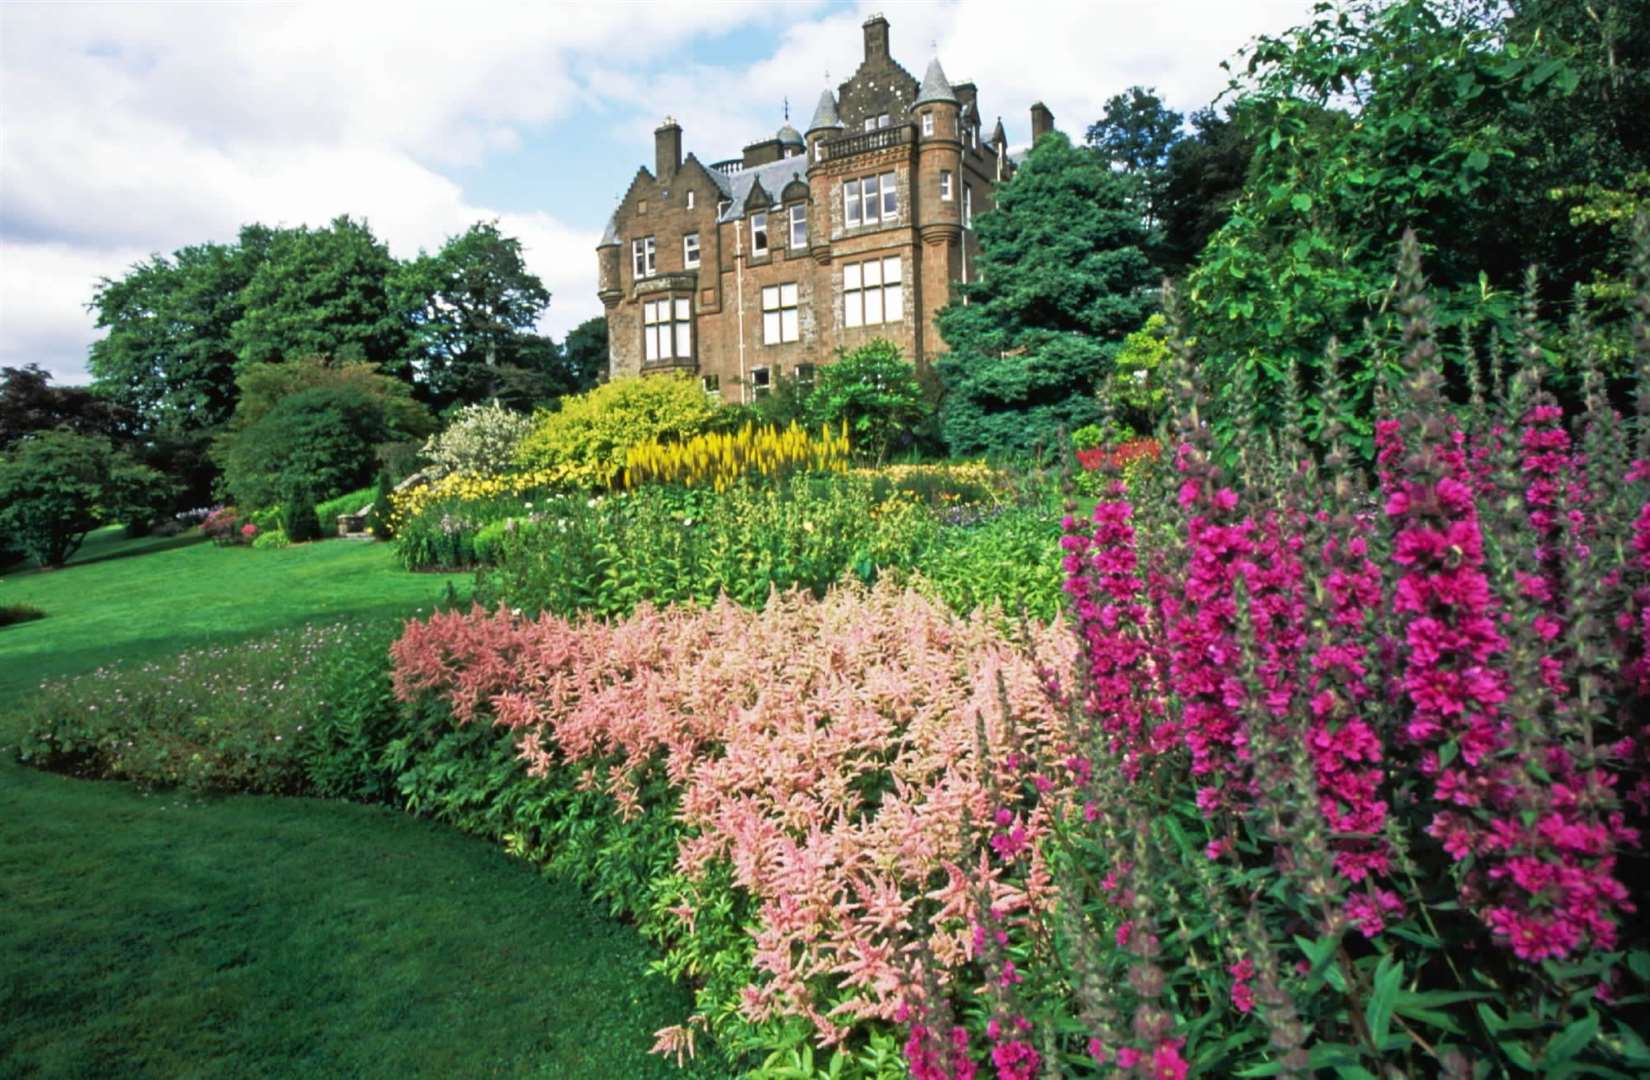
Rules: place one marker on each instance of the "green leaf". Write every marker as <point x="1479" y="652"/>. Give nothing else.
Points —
<point x="1301" y="202"/>
<point x="1570" y="1042"/>
<point x="1478" y="161"/>
<point x="1389" y="976"/>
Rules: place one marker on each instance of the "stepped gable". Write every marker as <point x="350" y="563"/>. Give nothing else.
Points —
<point x="879" y="85"/>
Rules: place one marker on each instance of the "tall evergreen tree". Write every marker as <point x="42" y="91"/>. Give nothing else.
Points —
<point x="1135" y="135"/>
<point x="1059" y="282"/>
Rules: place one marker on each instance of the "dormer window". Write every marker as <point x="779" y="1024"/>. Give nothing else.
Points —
<point x="759" y="233"/>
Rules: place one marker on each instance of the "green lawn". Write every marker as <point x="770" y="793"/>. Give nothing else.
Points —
<point x="145" y="936"/>
<point x="151" y="935"/>
<point x="135" y="599"/>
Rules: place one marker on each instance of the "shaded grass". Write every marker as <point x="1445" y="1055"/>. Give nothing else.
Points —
<point x="152" y="936"/>
<point x="138" y="599"/>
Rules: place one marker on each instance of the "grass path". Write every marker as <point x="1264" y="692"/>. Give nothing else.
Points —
<point x="146" y="936"/>
<point x="136" y="599"/>
<point x="150" y="935"/>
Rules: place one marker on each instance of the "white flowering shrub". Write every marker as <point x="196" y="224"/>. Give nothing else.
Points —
<point x="481" y="440"/>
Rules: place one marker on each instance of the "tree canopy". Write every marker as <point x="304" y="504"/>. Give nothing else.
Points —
<point x="1059" y="282"/>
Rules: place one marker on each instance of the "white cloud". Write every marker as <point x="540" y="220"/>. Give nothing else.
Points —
<point x="129" y="129"/>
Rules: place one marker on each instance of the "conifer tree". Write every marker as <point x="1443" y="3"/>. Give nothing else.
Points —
<point x="1060" y="280"/>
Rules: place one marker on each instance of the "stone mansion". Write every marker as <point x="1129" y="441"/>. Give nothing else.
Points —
<point x="745" y="270"/>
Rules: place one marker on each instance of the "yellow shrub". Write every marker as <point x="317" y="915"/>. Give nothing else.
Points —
<point x="585" y="443"/>
<point x="720" y="459"/>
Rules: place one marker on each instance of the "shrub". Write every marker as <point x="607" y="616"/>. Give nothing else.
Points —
<point x="299" y="521"/>
<point x="56" y="486"/>
<point x="873" y="392"/>
<point x="222" y="718"/>
<point x="272" y="540"/>
<point x="583" y="444"/>
<point x="480" y="440"/>
<point x="12" y="614"/>
<point x="225" y="526"/>
<point x="1005" y="559"/>
<point x="719" y="460"/>
<point x="382" y="507"/>
<point x="320" y="439"/>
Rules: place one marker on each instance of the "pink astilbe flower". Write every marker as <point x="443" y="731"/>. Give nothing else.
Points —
<point x="823" y="751"/>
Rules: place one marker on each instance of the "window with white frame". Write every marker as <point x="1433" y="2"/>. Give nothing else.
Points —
<point x="667" y="329"/>
<point x="819" y="150"/>
<point x="873" y="292"/>
<point x="945" y="185"/>
<point x="799" y="225"/>
<point x="928" y="123"/>
<point x="690" y="250"/>
<point x="643" y="257"/>
<point x="759" y="233"/>
<point x="968" y="206"/>
<point x="761" y="381"/>
<point x="690" y="200"/>
<point x="872" y="123"/>
<point x="711" y="385"/>
<point x="869" y="200"/>
<point x="780" y="321"/>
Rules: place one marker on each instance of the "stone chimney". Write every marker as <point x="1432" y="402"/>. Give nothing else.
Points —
<point x="966" y="93"/>
<point x="667" y="149"/>
<point x="876" y="38"/>
<point x="1042" y="122"/>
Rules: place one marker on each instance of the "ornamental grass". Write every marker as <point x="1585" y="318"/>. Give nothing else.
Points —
<point x="718" y="460"/>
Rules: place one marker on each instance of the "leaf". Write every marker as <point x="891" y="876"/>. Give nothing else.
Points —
<point x="1478" y="161"/>
<point x="1389" y="976"/>
<point x="1302" y="202"/>
<point x="1570" y="1042"/>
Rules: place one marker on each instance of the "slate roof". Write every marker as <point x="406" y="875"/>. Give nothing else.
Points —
<point x="610" y="235"/>
<point x="825" y="115"/>
<point x="789" y="136"/>
<point x="999" y="137"/>
<point x="773" y="177"/>
<point x="935" y="86"/>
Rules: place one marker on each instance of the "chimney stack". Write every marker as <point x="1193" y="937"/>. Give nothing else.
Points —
<point x="1042" y="122"/>
<point x="876" y="37"/>
<point x="667" y="149"/>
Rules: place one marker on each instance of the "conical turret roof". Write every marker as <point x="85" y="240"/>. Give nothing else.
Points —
<point x="825" y="114"/>
<point x="935" y="86"/>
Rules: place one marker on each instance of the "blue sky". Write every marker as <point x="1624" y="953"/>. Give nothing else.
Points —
<point x="127" y="129"/>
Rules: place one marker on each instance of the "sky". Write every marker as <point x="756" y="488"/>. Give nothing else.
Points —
<point x="129" y="129"/>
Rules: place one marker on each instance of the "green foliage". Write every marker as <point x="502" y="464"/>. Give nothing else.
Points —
<point x="874" y="391"/>
<point x="583" y="357"/>
<point x="322" y="292"/>
<point x="664" y="546"/>
<point x="1009" y="559"/>
<point x="379" y="522"/>
<point x="583" y="443"/>
<point x="1205" y="174"/>
<point x="270" y="540"/>
<point x="472" y="307"/>
<point x="1060" y="281"/>
<point x="263" y="386"/>
<point x="352" y="503"/>
<point x="1135" y="395"/>
<point x="299" y="522"/>
<point x="317" y="441"/>
<point x="167" y="353"/>
<point x="1455" y="119"/>
<point x="57" y="486"/>
<point x="1135" y="136"/>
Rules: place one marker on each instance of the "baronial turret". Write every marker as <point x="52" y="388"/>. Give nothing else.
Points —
<point x="935" y="86"/>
